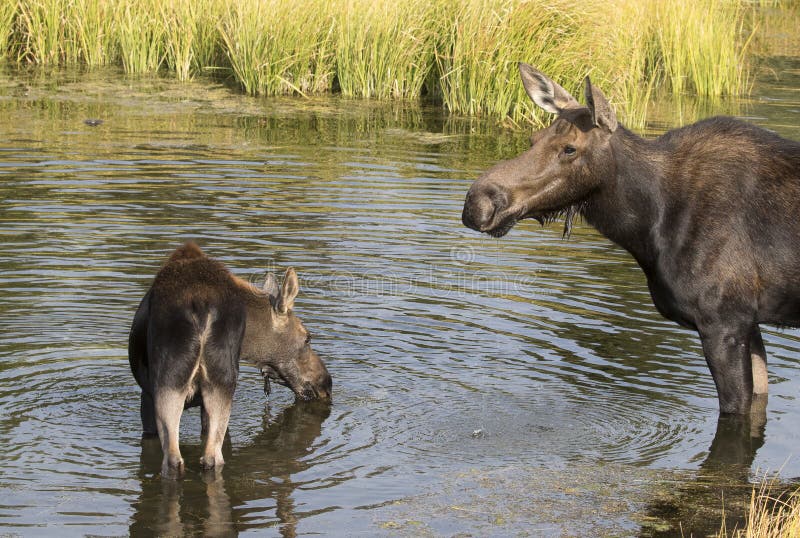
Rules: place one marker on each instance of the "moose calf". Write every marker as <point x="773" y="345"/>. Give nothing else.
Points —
<point x="192" y="327"/>
<point x="711" y="212"/>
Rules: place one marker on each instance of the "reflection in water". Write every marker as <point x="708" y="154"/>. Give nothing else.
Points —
<point x="202" y="504"/>
<point x="721" y="490"/>
<point x="737" y="439"/>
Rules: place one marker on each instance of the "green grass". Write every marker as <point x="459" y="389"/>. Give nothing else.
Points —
<point x="8" y="13"/>
<point x="384" y="49"/>
<point x="483" y="42"/>
<point x="463" y="52"/>
<point x="701" y="46"/>
<point x="140" y="30"/>
<point x="90" y="25"/>
<point x="40" y="32"/>
<point x="277" y="47"/>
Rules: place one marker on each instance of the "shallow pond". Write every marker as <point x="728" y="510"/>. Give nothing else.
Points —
<point x="483" y="387"/>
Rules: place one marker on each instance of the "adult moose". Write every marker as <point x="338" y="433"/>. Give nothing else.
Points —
<point x="711" y="212"/>
<point x="192" y="327"/>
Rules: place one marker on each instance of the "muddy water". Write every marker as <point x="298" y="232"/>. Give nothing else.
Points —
<point x="487" y="387"/>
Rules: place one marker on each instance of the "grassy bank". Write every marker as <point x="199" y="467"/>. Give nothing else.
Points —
<point x="463" y="52"/>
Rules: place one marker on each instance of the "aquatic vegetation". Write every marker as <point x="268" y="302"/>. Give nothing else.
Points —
<point x="180" y="27"/>
<point x="702" y="46"/>
<point x="463" y="53"/>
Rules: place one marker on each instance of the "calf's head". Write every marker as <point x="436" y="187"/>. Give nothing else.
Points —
<point x="279" y="344"/>
<point x="566" y="163"/>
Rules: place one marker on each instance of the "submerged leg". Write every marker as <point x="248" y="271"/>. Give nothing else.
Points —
<point x="758" y="357"/>
<point x="217" y="407"/>
<point x="169" y="407"/>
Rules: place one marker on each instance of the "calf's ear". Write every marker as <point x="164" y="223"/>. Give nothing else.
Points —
<point x="544" y="92"/>
<point x="602" y="114"/>
<point x="289" y="291"/>
<point x="271" y="286"/>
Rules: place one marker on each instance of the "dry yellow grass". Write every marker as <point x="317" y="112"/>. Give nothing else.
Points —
<point x="770" y="515"/>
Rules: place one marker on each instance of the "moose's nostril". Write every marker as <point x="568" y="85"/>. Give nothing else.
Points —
<point x="499" y="199"/>
<point x="479" y="209"/>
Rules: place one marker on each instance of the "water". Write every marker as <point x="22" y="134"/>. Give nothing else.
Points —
<point x="481" y="386"/>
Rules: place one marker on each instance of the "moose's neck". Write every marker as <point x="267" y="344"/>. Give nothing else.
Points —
<point x="628" y="206"/>
<point x="258" y="315"/>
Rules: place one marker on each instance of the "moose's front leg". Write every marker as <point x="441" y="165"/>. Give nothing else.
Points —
<point x="727" y="351"/>
<point x="758" y="356"/>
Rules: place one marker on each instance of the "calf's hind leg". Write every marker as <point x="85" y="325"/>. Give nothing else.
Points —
<point x="148" y="414"/>
<point x="169" y="407"/>
<point x="216" y="413"/>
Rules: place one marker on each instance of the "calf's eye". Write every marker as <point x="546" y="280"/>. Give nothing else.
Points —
<point x="569" y="150"/>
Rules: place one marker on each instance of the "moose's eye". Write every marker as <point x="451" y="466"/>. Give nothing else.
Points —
<point x="569" y="150"/>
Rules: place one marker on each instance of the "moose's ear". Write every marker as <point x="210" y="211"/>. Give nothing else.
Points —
<point x="602" y="113"/>
<point x="544" y="92"/>
<point x="271" y="286"/>
<point x="289" y="291"/>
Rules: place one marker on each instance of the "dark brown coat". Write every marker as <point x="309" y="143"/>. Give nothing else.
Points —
<point x="711" y="212"/>
<point x="188" y="335"/>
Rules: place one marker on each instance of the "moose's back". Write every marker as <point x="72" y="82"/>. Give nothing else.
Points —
<point x="732" y="202"/>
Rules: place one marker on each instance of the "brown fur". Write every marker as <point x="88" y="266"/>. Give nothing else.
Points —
<point x="710" y="211"/>
<point x="188" y="335"/>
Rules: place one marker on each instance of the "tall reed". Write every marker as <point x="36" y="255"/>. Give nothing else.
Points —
<point x="90" y="25"/>
<point x="702" y="46"/>
<point x="8" y="13"/>
<point x="140" y="29"/>
<point x="464" y="52"/>
<point x="384" y="48"/>
<point x="483" y="41"/>
<point x="41" y="33"/>
<point x="624" y="55"/>
<point x="180" y="26"/>
<point x="277" y="47"/>
<point x="207" y="48"/>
